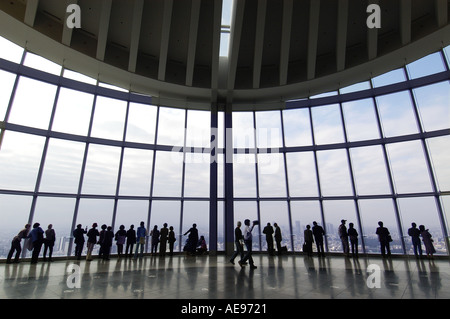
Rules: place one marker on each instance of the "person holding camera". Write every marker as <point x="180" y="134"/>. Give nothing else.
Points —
<point x="248" y="238"/>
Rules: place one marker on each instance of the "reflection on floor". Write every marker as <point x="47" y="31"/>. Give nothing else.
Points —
<point x="208" y="277"/>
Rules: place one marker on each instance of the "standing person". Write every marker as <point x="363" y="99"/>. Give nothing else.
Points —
<point x="239" y="242"/>
<point x="427" y="241"/>
<point x="108" y="237"/>
<point x="248" y="240"/>
<point x="343" y="235"/>
<point x="384" y="239"/>
<point x="192" y="239"/>
<point x="78" y="235"/>
<point x="131" y="240"/>
<point x="120" y="238"/>
<point x="101" y="241"/>
<point x="309" y="239"/>
<point x="49" y="242"/>
<point x="155" y="239"/>
<point x="15" y="244"/>
<point x="141" y="233"/>
<point x="415" y="237"/>
<point x="37" y="238"/>
<point x="318" y="234"/>
<point x="278" y="237"/>
<point x="353" y="235"/>
<point x="268" y="230"/>
<point x="92" y="240"/>
<point x="164" y="232"/>
<point x="171" y="239"/>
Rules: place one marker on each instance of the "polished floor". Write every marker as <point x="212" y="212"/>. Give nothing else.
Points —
<point x="214" y="277"/>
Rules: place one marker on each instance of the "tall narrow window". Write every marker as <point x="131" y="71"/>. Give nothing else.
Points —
<point x="225" y="28"/>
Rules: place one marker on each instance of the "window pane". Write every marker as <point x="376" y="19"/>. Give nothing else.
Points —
<point x="244" y="175"/>
<point x="98" y="211"/>
<point x="360" y="120"/>
<point x="141" y="123"/>
<point x="302" y="174"/>
<point x="198" y="129"/>
<point x="109" y="118"/>
<point x="369" y="170"/>
<point x="78" y="77"/>
<point x="327" y="124"/>
<point x="355" y="87"/>
<point x="434" y="105"/>
<point x="196" y="213"/>
<point x="304" y="213"/>
<point x="268" y="129"/>
<point x="334" y="173"/>
<point x="37" y="62"/>
<point x="335" y="211"/>
<point x="62" y="166"/>
<point x="168" y="212"/>
<point x="297" y="127"/>
<point x="102" y="168"/>
<point x="425" y="66"/>
<point x="10" y="51"/>
<point x="20" y="157"/>
<point x="275" y="212"/>
<point x="6" y="83"/>
<point x="409" y="167"/>
<point x="372" y="211"/>
<point x="397" y="114"/>
<point x="196" y="180"/>
<point x="73" y="112"/>
<point x="136" y="172"/>
<point x="59" y="213"/>
<point x="248" y="210"/>
<point x="445" y="200"/>
<point x="33" y="103"/>
<point x="391" y="77"/>
<point x="440" y="157"/>
<point x="447" y="54"/>
<point x="271" y="175"/>
<point x="168" y="174"/>
<point x="171" y="126"/>
<point x="17" y="210"/>
<point x="413" y="211"/>
<point x="243" y="130"/>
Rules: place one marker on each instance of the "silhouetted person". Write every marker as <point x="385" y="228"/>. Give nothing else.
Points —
<point x="202" y="247"/>
<point x="101" y="241"/>
<point x="171" y="239"/>
<point x="268" y="231"/>
<point x="37" y="238"/>
<point x="343" y="235"/>
<point x="192" y="241"/>
<point x="318" y="234"/>
<point x="163" y="236"/>
<point x="131" y="240"/>
<point x="78" y="235"/>
<point x="427" y="241"/>
<point x="120" y="237"/>
<point x="248" y="240"/>
<point x="239" y="242"/>
<point x="108" y="238"/>
<point x="141" y="233"/>
<point x="414" y="232"/>
<point x="49" y="242"/>
<point x="155" y="239"/>
<point x="383" y="238"/>
<point x="278" y="237"/>
<point x="92" y="235"/>
<point x="309" y="239"/>
<point x="353" y="235"/>
<point x="15" y="244"/>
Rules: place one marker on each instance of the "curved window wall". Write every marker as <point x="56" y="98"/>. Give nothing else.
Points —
<point x="75" y="151"/>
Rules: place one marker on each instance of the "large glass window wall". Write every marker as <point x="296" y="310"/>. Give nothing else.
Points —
<point x="80" y="151"/>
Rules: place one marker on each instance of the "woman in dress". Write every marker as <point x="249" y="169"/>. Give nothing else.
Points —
<point x="427" y="241"/>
